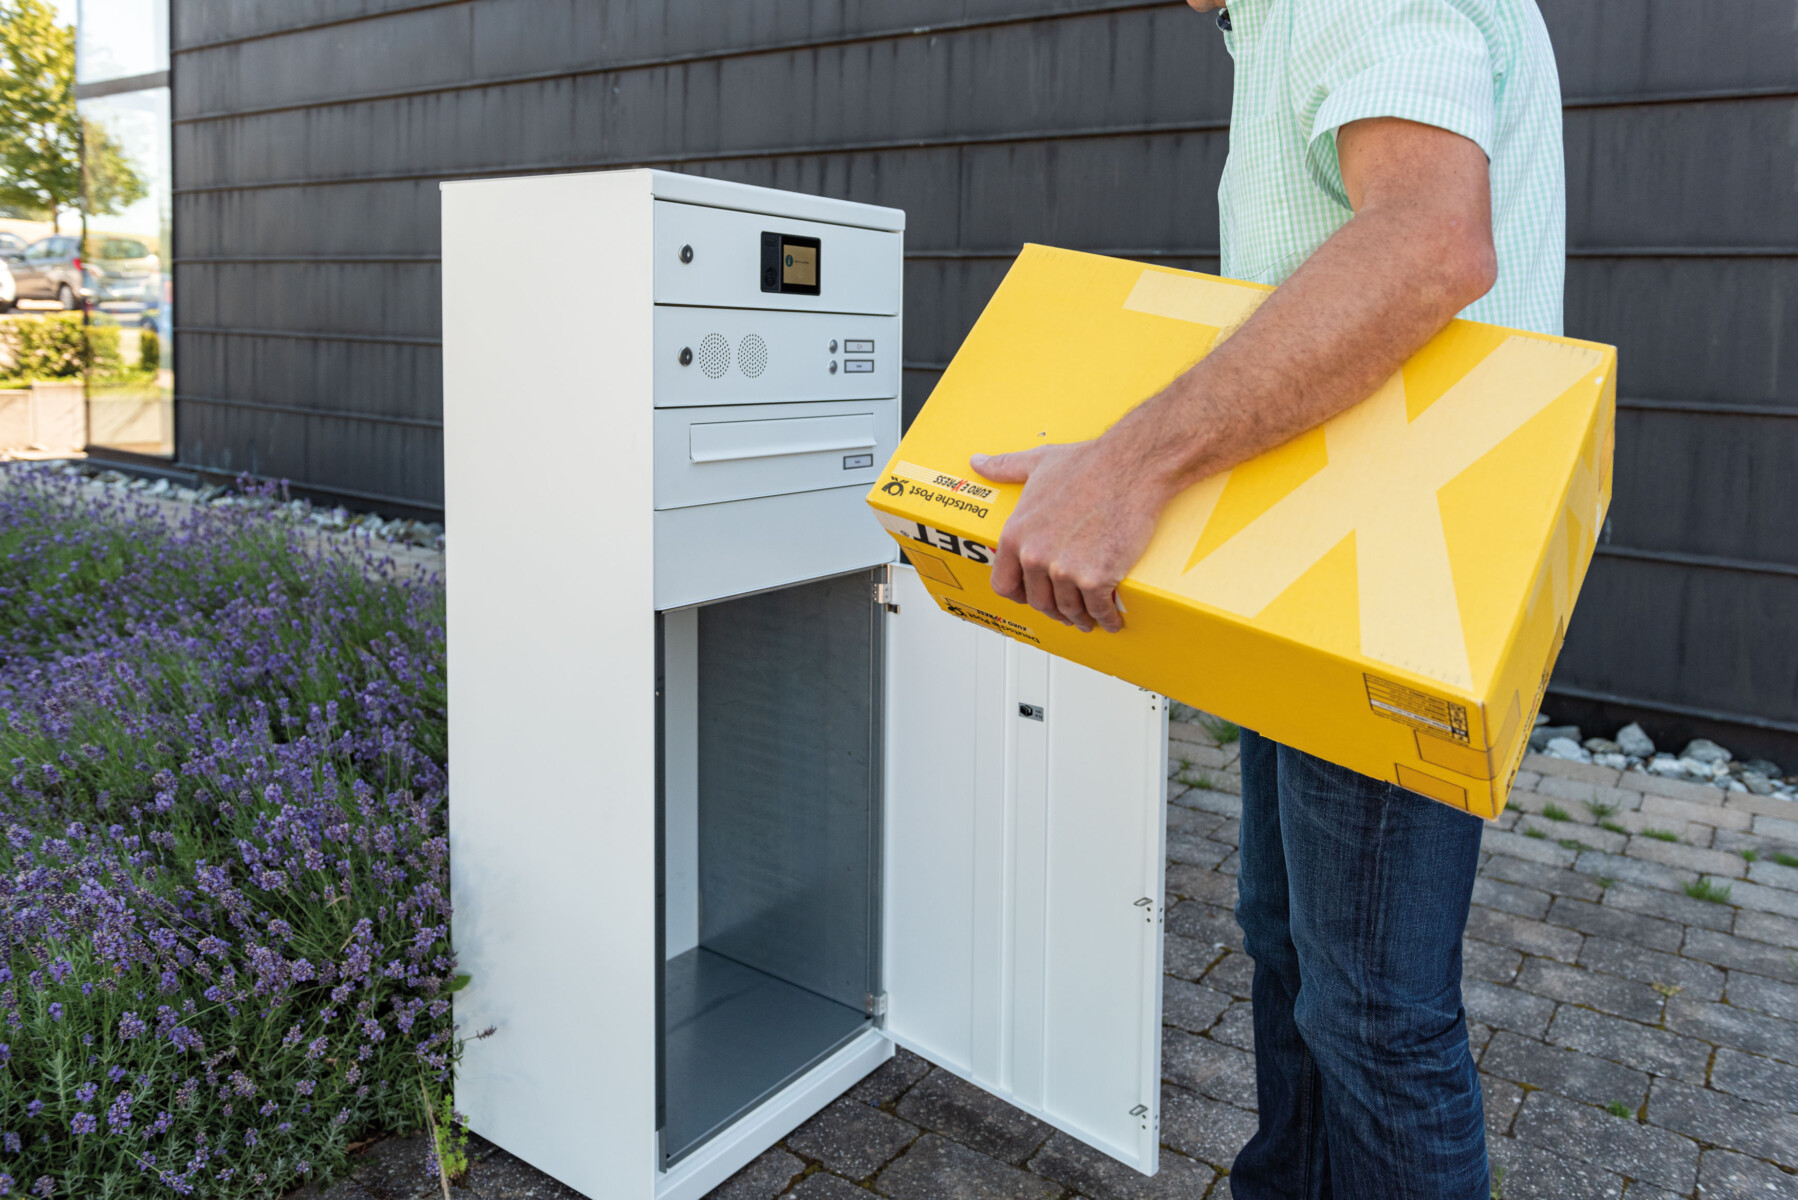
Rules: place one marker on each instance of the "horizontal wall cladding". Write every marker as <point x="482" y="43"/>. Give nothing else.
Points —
<point x="401" y="463"/>
<point x="371" y="378"/>
<point x="1714" y="329"/>
<point x="1692" y="483"/>
<point x="1714" y="640"/>
<point x="1050" y="76"/>
<point x="381" y="299"/>
<point x="1648" y="175"/>
<point x="1636" y="47"/>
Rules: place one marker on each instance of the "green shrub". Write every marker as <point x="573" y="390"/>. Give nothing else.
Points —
<point x="60" y="347"/>
<point x="149" y="350"/>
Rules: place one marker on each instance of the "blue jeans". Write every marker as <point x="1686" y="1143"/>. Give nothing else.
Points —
<point x="1352" y="897"/>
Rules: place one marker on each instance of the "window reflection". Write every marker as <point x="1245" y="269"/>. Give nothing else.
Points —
<point x="117" y="39"/>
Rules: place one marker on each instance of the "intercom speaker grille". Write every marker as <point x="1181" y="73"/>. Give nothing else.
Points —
<point x="714" y="355"/>
<point x="752" y="355"/>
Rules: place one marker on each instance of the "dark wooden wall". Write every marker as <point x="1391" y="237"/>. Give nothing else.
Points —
<point x="310" y="136"/>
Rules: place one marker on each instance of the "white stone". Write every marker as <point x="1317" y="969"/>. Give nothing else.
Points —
<point x="1705" y="751"/>
<point x="1632" y="740"/>
<point x="1616" y="762"/>
<point x="1665" y="764"/>
<point x="1566" y="748"/>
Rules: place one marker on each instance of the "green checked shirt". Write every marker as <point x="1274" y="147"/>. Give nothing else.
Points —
<point x="1481" y="68"/>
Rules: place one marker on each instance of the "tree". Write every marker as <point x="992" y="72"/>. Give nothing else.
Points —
<point x="113" y="185"/>
<point x="41" y="136"/>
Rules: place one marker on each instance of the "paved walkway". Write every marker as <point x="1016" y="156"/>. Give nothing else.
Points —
<point x="1635" y="1040"/>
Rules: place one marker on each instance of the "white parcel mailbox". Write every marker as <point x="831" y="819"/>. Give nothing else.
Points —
<point x="735" y="809"/>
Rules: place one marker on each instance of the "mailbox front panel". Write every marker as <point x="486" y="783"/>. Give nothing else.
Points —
<point x="1023" y="874"/>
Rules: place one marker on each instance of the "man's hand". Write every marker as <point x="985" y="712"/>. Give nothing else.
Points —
<point x="1417" y="251"/>
<point x="1078" y="528"/>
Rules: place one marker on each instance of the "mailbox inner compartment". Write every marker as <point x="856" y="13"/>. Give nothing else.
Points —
<point x="769" y="796"/>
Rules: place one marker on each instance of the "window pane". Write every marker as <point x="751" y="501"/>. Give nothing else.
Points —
<point x="116" y="39"/>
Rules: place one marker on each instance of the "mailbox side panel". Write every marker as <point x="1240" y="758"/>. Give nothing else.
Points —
<point x="552" y="677"/>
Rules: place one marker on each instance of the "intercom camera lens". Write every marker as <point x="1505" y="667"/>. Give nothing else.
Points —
<point x="686" y="356"/>
<point x="686" y="254"/>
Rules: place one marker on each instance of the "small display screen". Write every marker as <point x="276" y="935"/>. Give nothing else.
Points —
<point x="791" y="263"/>
<point x="799" y="264"/>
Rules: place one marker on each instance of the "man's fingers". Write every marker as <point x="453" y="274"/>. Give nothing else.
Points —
<point x="1070" y="603"/>
<point x="1008" y="576"/>
<point x="1007" y="468"/>
<point x="1101" y="603"/>
<point x="1040" y="593"/>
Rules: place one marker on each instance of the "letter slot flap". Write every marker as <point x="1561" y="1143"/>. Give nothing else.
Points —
<point x="740" y="451"/>
<point x="725" y="441"/>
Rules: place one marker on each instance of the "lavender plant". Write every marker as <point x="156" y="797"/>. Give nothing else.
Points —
<point x="224" y="913"/>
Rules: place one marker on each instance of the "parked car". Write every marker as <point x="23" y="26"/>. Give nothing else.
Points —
<point x="11" y="245"/>
<point x="9" y="290"/>
<point x="50" y="269"/>
<point x="124" y="269"/>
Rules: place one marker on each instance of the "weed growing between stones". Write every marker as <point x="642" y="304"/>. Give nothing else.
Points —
<point x="1708" y="889"/>
<point x="224" y="912"/>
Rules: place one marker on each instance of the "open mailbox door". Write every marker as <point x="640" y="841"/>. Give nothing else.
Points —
<point x="1023" y="861"/>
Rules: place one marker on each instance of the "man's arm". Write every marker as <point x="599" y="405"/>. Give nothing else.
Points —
<point x="1417" y="251"/>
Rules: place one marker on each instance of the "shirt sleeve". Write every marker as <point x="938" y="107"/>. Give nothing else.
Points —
<point x="1429" y="61"/>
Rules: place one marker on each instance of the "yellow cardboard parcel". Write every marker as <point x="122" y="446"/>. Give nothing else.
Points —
<point x="1388" y="591"/>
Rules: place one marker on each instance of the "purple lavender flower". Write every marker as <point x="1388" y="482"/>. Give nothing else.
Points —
<point x="130" y="1026"/>
<point x="118" y="1117"/>
<point x="86" y="1092"/>
<point x="83" y="1123"/>
<point x="56" y="1010"/>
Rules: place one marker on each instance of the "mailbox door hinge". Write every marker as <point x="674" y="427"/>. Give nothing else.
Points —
<point x="883" y="595"/>
<point x="875" y="1005"/>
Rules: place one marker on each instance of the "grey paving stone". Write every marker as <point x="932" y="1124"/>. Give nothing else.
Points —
<point x="1520" y="933"/>
<point x="1202" y="1128"/>
<point x="956" y="1108"/>
<point x="768" y="1176"/>
<point x="1483" y="960"/>
<point x="823" y="1186"/>
<point x="890" y="1079"/>
<point x="1648" y="966"/>
<point x="1633" y="870"/>
<point x="1755" y="1078"/>
<point x="1743" y="894"/>
<point x="1702" y="794"/>
<point x="1194" y="821"/>
<point x="1638" y="1190"/>
<point x="503" y="1177"/>
<point x="1669" y="906"/>
<point x="1186" y="958"/>
<point x="1510" y="897"/>
<point x="1506" y="1007"/>
<point x="1641" y="1046"/>
<point x="1564" y="1072"/>
<point x="1711" y="1116"/>
<point x="1620" y="1144"/>
<point x="1708" y="810"/>
<point x="1197" y="883"/>
<point x="1557" y="881"/>
<point x="1220" y="1190"/>
<point x="1515" y="845"/>
<point x="1724" y="1175"/>
<point x="1212" y="1068"/>
<point x="1732" y="1025"/>
<point x="1501" y="1099"/>
<point x="1225" y="804"/>
<point x="393" y="1169"/>
<point x="1233" y="973"/>
<point x="1550" y="768"/>
<point x="936" y="1168"/>
<point x="1477" y="1037"/>
<point x="1195" y="851"/>
<point x="1767" y="927"/>
<point x="1576" y="985"/>
<point x="1237" y="1027"/>
<point x="1190" y="1006"/>
<point x="1764" y="995"/>
<point x="1098" y="1176"/>
<point x="1587" y="917"/>
<point x="1690" y="858"/>
<point x="1522" y="1171"/>
<point x="851" y="1138"/>
<point x="1229" y="866"/>
<point x="1205" y="923"/>
<point x="1230" y="831"/>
